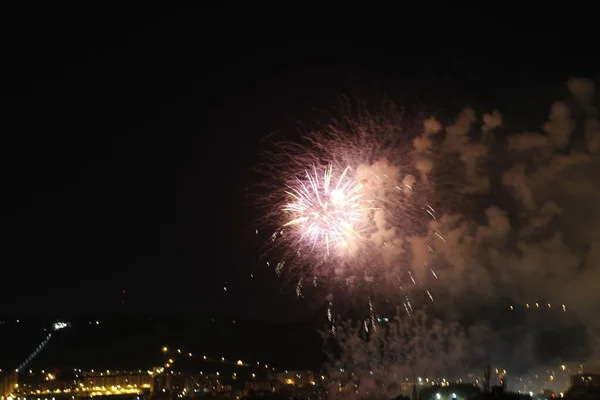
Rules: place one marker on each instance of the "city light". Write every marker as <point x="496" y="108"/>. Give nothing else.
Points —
<point x="59" y="325"/>
<point x="181" y="353"/>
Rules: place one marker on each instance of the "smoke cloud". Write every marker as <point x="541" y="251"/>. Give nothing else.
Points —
<point x="535" y="242"/>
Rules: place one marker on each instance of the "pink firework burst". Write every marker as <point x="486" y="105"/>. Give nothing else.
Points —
<point x="325" y="209"/>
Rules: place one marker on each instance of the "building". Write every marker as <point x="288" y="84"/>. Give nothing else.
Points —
<point x="262" y="386"/>
<point x="585" y="381"/>
<point x="117" y="381"/>
<point x="8" y="382"/>
<point x="298" y="378"/>
<point x="85" y="385"/>
<point x="584" y="386"/>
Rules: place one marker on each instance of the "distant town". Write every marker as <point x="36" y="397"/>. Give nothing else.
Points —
<point x="178" y="378"/>
<point x="179" y="373"/>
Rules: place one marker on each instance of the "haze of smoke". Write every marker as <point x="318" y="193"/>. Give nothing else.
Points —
<point x="394" y="354"/>
<point x="538" y="237"/>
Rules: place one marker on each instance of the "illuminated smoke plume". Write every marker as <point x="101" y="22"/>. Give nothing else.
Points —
<point x="527" y="251"/>
<point x="537" y="238"/>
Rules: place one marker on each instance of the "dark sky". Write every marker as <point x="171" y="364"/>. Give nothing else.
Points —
<point x="128" y="139"/>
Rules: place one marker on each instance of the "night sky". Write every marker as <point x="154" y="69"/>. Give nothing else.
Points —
<point x="129" y="141"/>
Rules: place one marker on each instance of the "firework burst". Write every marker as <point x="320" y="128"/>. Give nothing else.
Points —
<point x="344" y="201"/>
<point x="326" y="209"/>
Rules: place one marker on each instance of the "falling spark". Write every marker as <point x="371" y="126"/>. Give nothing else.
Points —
<point x="430" y="296"/>
<point x="411" y="278"/>
<point x="434" y="274"/>
<point x="330" y="317"/>
<point x="440" y="236"/>
<point x="372" y="314"/>
<point x="431" y="211"/>
<point x="279" y="267"/>
<point x="299" y="288"/>
<point x="408" y="303"/>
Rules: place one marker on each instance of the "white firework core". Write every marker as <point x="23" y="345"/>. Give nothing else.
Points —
<point x="325" y="208"/>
